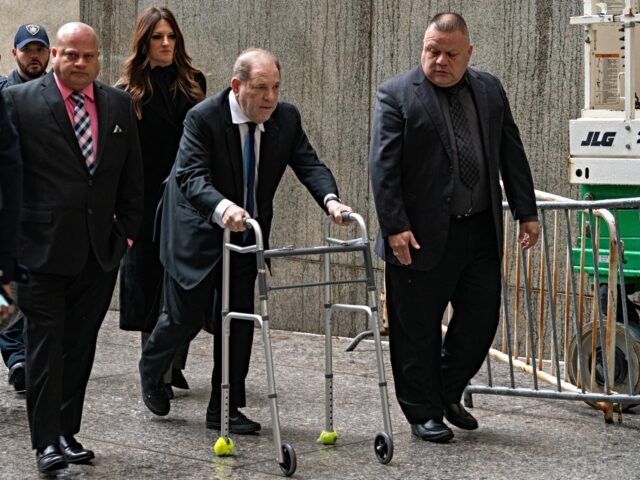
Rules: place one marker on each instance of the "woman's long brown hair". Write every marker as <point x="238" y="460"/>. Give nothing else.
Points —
<point x="136" y="72"/>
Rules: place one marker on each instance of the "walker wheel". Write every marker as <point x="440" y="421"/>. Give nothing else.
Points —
<point x="383" y="447"/>
<point x="288" y="466"/>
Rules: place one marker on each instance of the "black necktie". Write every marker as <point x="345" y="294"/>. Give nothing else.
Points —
<point x="468" y="164"/>
<point x="250" y="167"/>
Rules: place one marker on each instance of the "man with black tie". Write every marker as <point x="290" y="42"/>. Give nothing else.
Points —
<point x="234" y="150"/>
<point x="443" y="135"/>
<point x="82" y="200"/>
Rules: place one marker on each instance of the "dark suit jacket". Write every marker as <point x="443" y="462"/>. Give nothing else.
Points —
<point x="209" y="169"/>
<point x="10" y="194"/>
<point x="411" y="169"/>
<point x="66" y="211"/>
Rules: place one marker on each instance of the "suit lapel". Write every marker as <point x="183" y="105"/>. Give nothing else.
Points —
<point x="427" y="95"/>
<point x="53" y="98"/>
<point x="482" y="107"/>
<point x="234" y="152"/>
<point x="102" y="105"/>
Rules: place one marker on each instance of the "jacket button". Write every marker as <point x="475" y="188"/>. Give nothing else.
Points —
<point x="90" y="182"/>
<point x="90" y="211"/>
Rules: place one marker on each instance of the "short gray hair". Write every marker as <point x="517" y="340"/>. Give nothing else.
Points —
<point x="245" y="61"/>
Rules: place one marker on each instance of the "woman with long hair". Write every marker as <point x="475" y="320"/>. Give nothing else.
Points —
<point x="163" y="86"/>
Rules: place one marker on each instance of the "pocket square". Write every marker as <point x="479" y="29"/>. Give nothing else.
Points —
<point x="117" y="129"/>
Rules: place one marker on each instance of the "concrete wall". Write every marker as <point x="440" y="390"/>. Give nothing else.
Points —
<point x="15" y="13"/>
<point x="334" y="53"/>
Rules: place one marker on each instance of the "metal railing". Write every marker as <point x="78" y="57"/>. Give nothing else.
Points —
<point x="552" y="327"/>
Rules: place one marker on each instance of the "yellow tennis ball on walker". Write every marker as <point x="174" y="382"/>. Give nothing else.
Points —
<point x="327" y="438"/>
<point x="223" y="447"/>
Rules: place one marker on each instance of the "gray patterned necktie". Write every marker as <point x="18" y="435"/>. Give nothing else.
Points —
<point x="467" y="161"/>
<point x="82" y="129"/>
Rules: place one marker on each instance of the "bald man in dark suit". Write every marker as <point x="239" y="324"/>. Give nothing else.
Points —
<point x="82" y="200"/>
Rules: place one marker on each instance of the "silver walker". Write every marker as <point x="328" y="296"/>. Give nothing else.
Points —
<point x="285" y="454"/>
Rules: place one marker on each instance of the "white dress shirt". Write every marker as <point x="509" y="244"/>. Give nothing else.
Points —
<point x="239" y="118"/>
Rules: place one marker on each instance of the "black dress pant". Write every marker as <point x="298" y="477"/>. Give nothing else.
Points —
<point x="63" y="315"/>
<point x="184" y="315"/>
<point x="429" y="372"/>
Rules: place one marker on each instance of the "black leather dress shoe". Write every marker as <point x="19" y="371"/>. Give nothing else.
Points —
<point x="156" y="399"/>
<point x="50" y="459"/>
<point x="433" y="430"/>
<point x="456" y="415"/>
<point x="178" y="380"/>
<point x="73" y="451"/>
<point x="17" y="377"/>
<point x="238" y="423"/>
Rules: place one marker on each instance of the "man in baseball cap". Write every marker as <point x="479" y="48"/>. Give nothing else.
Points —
<point x="31" y="52"/>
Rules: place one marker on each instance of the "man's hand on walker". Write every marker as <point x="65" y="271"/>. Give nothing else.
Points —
<point x="233" y="217"/>
<point x="336" y="209"/>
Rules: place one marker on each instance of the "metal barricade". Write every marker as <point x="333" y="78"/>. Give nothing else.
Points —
<point x="584" y="353"/>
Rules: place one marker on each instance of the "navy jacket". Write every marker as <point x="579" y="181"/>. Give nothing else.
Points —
<point x="10" y="195"/>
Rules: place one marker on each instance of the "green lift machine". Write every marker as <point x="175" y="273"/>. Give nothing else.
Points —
<point x="604" y="159"/>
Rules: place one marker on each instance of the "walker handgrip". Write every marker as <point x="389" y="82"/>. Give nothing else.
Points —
<point x="245" y="222"/>
<point x="346" y="216"/>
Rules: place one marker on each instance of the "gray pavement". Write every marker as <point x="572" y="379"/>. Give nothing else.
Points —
<point x="518" y="438"/>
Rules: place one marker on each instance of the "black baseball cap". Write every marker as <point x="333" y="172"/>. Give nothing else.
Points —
<point x="30" y="33"/>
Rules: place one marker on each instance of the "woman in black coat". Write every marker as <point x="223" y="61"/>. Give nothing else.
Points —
<point x="163" y="86"/>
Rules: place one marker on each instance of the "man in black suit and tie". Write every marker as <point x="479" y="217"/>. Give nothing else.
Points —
<point x="234" y="150"/>
<point x="443" y="135"/>
<point x="82" y="200"/>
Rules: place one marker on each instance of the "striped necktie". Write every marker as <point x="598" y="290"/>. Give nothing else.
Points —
<point x="82" y="129"/>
